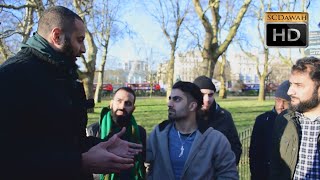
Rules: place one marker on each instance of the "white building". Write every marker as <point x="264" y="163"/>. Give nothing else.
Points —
<point x="243" y="68"/>
<point x="137" y="71"/>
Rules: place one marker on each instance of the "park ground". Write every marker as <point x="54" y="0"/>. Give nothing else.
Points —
<point x="151" y="111"/>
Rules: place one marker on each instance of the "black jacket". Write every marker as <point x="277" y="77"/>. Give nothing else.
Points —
<point x="43" y="119"/>
<point x="260" y="145"/>
<point x="221" y="120"/>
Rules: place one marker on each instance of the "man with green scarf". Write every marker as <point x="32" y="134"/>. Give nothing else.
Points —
<point x="43" y="128"/>
<point x="119" y="115"/>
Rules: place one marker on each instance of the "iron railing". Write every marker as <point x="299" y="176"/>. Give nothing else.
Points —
<point x="244" y="166"/>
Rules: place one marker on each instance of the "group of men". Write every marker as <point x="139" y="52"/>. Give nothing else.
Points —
<point x="285" y="142"/>
<point x="44" y="127"/>
<point x="194" y="134"/>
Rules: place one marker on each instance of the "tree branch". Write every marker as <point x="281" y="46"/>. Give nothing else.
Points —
<point x="17" y="7"/>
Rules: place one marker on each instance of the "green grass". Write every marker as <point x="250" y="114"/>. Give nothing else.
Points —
<point x="151" y="111"/>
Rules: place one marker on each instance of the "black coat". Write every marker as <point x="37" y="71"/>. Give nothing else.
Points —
<point x="260" y="145"/>
<point x="221" y="120"/>
<point x="43" y="119"/>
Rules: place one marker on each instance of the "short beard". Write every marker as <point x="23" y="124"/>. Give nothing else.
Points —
<point x="305" y="106"/>
<point x="175" y="119"/>
<point x="67" y="47"/>
<point x="122" y="120"/>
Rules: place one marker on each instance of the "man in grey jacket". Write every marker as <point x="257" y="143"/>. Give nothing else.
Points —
<point x="183" y="147"/>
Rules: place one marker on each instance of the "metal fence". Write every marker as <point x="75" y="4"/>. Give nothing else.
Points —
<point x="244" y="166"/>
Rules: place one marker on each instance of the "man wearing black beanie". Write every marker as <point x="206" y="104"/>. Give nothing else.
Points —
<point x="217" y="117"/>
<point x="261" y="138"/>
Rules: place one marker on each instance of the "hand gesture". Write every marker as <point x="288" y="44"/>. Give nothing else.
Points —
<point x="123" y="148"/>
<point x="98" y="160"/>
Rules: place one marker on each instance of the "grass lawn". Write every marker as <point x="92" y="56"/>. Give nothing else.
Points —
<point x="151" y="111"/>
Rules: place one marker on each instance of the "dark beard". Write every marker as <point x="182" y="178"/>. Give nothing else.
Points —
<point x="67" y="48"/>
<point x="122" y="120"/>
<point x="305" y="106"/>
<point x="173" y="119"/>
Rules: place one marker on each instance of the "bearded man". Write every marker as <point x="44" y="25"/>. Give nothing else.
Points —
<point x="43" y="127"/>
<point x="116" y="117"/>
<point x="296" y="140"/>
<point x="183" y="147"/>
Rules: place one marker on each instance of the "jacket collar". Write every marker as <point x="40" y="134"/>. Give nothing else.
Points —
<point x="41" y="48"/>
<point x="202" y="125"/>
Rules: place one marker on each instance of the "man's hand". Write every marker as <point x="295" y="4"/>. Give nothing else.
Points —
<point x="98" y="160"/>
<point x="110" y="156"/>
<point x="123" y="148"/>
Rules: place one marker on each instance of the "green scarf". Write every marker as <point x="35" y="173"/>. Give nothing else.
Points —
<point x="40" y="44"/>
<point x="132" y="135"/>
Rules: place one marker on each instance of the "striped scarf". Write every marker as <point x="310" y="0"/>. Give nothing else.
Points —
<point x="132" y="134"/>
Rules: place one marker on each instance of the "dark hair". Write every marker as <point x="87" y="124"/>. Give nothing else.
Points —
<point x="129" y="90"/>
<point x="310" y="65"/>
<point x="57" y="16"/>
<point x="190" y="89"/>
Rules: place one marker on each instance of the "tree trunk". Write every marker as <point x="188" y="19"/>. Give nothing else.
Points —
<point x="3" y="52"/>
<point x="100" y="73"/>
<point x="98" y="92"/>
<point x="88" y="85"/>
<point x="170" y="72"/>
<point x="261" y="96"/>
<point x="223" y="91"/>
<point x="262" y="78"/>
<point x="90" y="61"/>
<point x="28" y="22"/>
<point x="211" y="28"/>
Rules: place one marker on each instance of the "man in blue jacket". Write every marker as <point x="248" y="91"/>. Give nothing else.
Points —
<point x="261" y="138"/>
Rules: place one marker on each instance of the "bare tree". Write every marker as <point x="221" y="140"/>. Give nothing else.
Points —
<point x="229" y="8"/>
<point x="85" y="10"/>
<point x="21" y="25"/>
<point x="211" y="49"/>
<point x="259" y="12"/>
<point x="170" y="16"/>
<point x="108" y="26"/>
<point x="289" y="6"/>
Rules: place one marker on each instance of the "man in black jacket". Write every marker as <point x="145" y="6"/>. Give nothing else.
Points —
<point x="217" y="117"/>
<point x="43" y="126"/>
<point x="261" y="138"/>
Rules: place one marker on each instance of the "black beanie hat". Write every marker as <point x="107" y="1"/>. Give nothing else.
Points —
<point x="282" y="90"/>
<point x="204" y="82"/>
